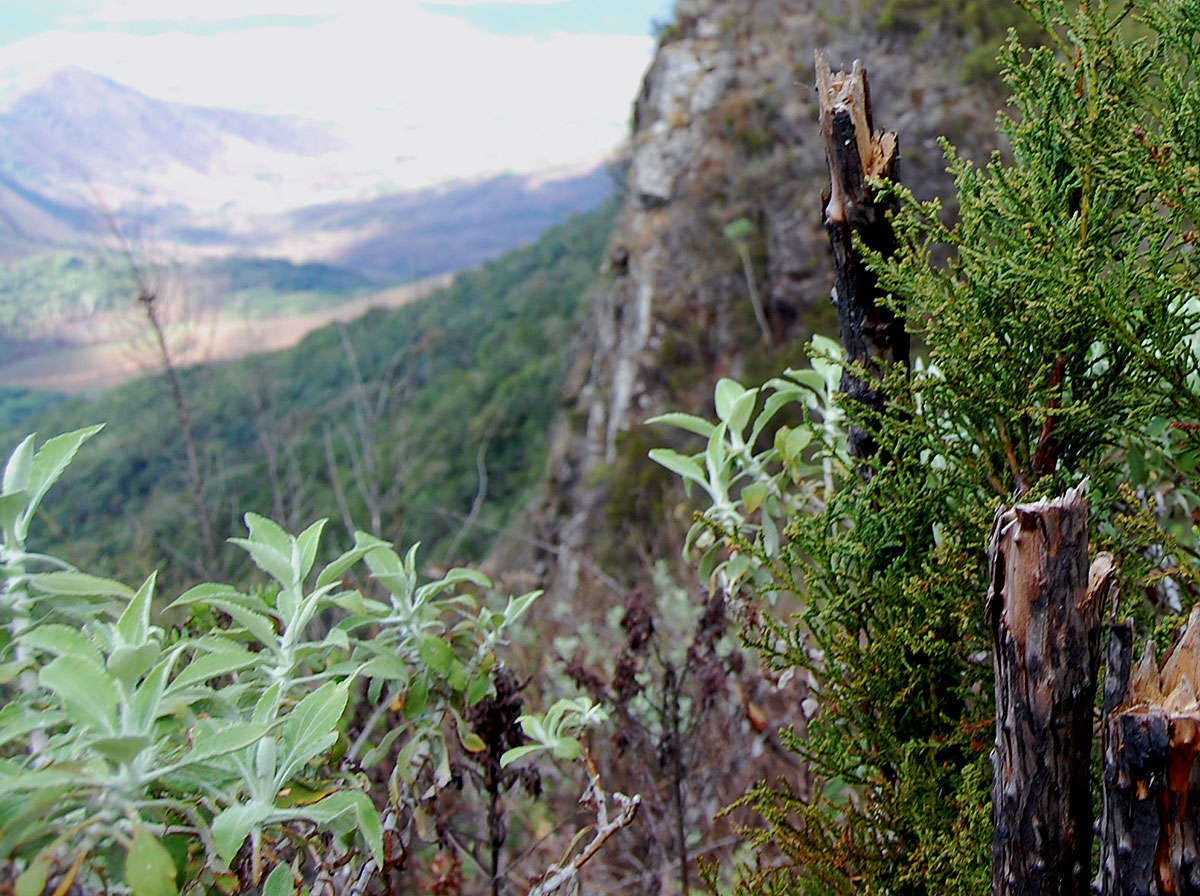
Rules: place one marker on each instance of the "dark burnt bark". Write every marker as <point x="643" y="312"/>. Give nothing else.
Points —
<point x="1151" y="821"/>
<point x="872" y="335"/>
<point x="1045" y="633"/>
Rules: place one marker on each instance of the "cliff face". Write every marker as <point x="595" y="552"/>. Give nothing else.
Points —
<point x="724" y="129"/>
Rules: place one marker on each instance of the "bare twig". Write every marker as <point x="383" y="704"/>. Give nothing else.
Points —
<point x="148" y="295"/>
<point x="476" y="505"/>
<point x="562" y="875"/>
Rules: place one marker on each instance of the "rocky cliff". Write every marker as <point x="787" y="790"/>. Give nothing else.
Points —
<point x="724" y="131"/>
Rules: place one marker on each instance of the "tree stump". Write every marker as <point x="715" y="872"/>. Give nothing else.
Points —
<point x="873" y="336"/>
<point x="1151" y="821"/>
<point x="1044" y="609"/>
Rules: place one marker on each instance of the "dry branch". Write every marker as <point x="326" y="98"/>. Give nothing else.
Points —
<point x="873" y="336"/>
<point x="564" y="877"/>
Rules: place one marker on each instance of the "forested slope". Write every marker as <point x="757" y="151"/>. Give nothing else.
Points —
<point x="385" y="423"/>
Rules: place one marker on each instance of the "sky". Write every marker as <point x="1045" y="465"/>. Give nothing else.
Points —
<point x="453" y="87"/>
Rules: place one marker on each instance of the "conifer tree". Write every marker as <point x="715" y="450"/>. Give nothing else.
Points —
<point x="1057" y="326"/>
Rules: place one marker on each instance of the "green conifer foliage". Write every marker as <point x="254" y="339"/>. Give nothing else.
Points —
<point x="1060" y="328"/>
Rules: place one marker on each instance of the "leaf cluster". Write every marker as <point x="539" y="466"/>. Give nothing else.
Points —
<point x="208" y="754"/>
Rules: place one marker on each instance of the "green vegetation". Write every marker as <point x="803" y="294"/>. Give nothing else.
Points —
<point x="60" y="284"/>
<point x="1059" y="344"/>
<point x="18" y="405"/>
<point x="223" y="754"/>
<point x="74" y="285"/>
<point x="256" y="286"/>
<point x="984" y="23"/>
<point x="387" y="421"/>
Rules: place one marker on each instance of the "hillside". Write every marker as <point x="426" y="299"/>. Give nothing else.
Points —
<point x="386" y="422"/>
<point x="724" y="131"/>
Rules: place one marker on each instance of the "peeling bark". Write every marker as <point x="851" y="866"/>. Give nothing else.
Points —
<point x="1044" y="609"/>
<point x="872" y="336"/>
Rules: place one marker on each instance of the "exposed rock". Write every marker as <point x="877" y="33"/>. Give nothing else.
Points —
<point x="724" y="128"/>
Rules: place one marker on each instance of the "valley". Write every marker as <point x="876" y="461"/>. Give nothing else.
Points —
<point x="107" y="348"/>
<point x="252" y="230"/>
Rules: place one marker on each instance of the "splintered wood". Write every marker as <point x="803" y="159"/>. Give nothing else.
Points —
<point x="1043" y="605"/>
<point x="872" y="335"/>
<point x="854" y="149"/>
<point x="1151" y="822"/>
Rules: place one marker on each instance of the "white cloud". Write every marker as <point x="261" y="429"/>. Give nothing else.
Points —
<point x="399" y="80"/>
<point x="114" y="11"/>
<point x="494" y="2"/>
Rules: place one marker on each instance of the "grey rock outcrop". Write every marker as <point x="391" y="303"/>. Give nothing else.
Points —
<point x="724" y="129"/>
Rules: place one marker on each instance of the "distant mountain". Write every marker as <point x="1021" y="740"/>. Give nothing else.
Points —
<point x="30" y="220"/>
<point x="443" y="229"/>
<point x="79" y="147"/>
<point x="78" y="129"/>
<point x="251" y="213"/>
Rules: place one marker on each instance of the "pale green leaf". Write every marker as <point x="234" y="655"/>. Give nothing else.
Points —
<point x="70" y="582"/>
<point x="690" y="422"/>
<point x="417" y="697"/>
<point x="62" y="640"/>
<point x="233" y="825"/>
<point x="437" y="654"/>
<point x="146" y="706"/>
<point x="50" y="461"/>
<point x="217" y="739"/>
<point x="726" y="393"/>
<point x="121" y="748"/>
<point x="255" y="623"/>
<point x="19" y="466"/>
<point x="739" y="229"/>
<point x="32" y="881"/>
<point x="337" y="805"/>
<point x="753" y="496"/>
<point x="777" y="400"/>
<point x="679" y="464"/>
<point x="134" y="624"/>
<point x="278" y="566"/>
<point x="213" y="665"/>
<point x="454" y="577"/>
<point x="128" y="664"/>
<point x="796" y="441"/>
<point x="210" y="591"/>
<point x="268" y="532"/>
<point x="478" y="688"/>
<point x="310" y="728"/>
<point x="279" y="882"/>
<point x="88" y="694"/>
<point x="11" y="507"/>
<point x="149" y="868"/>
<point x="715" y="458"/>
<point x="387" y="666"/>
<point x="307" y="543"/>
<point x="511" y="756"/>
<point x="363" y="543"/>
<point x="739" y="413"/>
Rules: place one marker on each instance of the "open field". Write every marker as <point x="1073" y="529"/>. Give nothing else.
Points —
<point x="118" y="346"/>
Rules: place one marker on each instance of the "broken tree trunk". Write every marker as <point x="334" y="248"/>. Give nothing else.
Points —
<point x="872" y="336"/>
<point x="1044" y="612"/>
<point x="1151" y="824"/>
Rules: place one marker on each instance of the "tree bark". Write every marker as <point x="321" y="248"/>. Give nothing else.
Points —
<point x="873" y="336"/>
<point x="1151" y="822"/>
<point x="1044" y="615"/>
